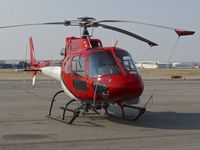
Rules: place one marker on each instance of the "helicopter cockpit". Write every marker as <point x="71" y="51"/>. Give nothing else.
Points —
<point x="104" y="63"/>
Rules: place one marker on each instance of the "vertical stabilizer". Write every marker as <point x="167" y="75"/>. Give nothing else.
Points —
<point x="43" y="67"/>
<point x="32" y="52"/>
<point x="33" y="60"/>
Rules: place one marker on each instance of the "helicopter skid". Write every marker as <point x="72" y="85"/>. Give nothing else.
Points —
<point x="74" y="109"/>
<point x="141" y="111"/>
<point x="127" y="115"/>
<point x="84" y="109"/>
<point x="76" y="113"/>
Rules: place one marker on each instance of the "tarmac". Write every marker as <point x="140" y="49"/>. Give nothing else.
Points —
<point x="172" y="119"/>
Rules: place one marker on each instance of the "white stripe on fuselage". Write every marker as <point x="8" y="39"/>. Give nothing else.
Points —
<point x="55" y="73"/>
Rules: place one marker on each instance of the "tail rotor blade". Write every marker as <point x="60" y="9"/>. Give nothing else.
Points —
<point x="33" y="81"/>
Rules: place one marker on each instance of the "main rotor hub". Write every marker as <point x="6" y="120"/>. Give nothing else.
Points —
<point x="86" y="22"/>
<point x="86" y="19"/>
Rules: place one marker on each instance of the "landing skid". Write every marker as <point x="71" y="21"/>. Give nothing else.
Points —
<point x="53" y="100"/>
<point x="141" y="111"/>
<point x="74" y="108"/>
<point x="83" y="109"/>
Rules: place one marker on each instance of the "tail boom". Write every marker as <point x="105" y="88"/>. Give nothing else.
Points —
<point x="52" y="71"/>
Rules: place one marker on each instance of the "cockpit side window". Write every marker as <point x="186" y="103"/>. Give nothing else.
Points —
<point x="78" y="66"/>
<point x="67" y="67"/>
<point x="127" y="61"/>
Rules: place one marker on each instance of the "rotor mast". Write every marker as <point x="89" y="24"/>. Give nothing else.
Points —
<point x="85" y="32"/>
<point x="86" y="22"/>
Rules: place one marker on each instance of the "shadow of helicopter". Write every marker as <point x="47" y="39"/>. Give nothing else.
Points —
<point x="164" y="120"/>
<point x="151" y="120"/>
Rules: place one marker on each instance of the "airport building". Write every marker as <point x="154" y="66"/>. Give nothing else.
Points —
<point x="164" y="65"/>
<point x="146" y="65"/>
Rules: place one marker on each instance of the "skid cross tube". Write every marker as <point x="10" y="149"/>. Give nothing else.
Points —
<point x="140" y="109"/>
<point x="85" y="106"/>
<point x="76" y="112"/>
<point x="53" y="100"/>
<point x="65" y="108"/>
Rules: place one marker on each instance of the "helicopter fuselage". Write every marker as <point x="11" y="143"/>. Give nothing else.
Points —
<point x="91" y="72"/>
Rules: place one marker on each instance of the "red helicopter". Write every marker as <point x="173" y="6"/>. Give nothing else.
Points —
<point x="94" y="76"/>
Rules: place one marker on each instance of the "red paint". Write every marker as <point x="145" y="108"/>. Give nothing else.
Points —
<point x="36" y="65"/>
<point x="184" y="32"/>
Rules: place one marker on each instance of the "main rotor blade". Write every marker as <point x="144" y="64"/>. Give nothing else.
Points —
<point x="128" y="33"/>
<point x="36" y="24"/>
<point x="107" y="21"/>
<point x="179" y="32"/>
<point x="183" y="32"/>
<point x="136" y="22"/>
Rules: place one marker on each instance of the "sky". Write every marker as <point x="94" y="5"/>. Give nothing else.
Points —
<point x="48" y="40"/>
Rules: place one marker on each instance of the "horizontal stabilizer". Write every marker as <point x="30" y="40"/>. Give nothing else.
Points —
<point x="32" y="69"/>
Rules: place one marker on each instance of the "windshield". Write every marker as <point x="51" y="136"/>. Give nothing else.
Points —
<point x="102" y="63"/>
<point x="126" y="60"/>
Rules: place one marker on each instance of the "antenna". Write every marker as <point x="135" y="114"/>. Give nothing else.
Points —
<point x="173" y="50"/>
<point x="115" y="43"/>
